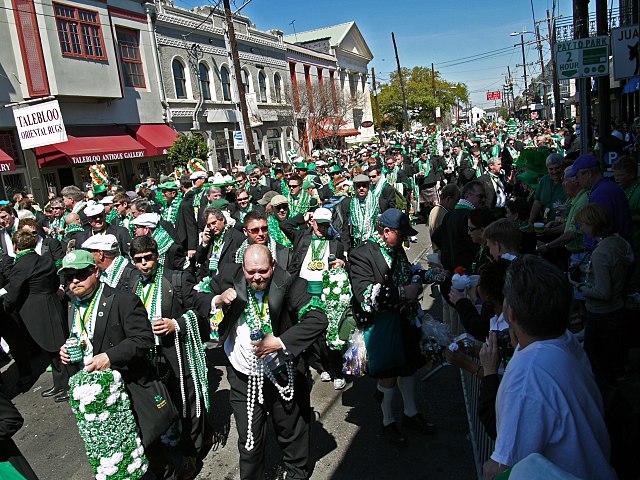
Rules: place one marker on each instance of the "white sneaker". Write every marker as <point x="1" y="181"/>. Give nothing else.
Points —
<point x="325" y="376"/>
<point x="413" y="239"/>
<point x="339" y="383"/>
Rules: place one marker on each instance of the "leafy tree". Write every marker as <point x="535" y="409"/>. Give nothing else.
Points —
<point x="187" y="147"/>
<point x="421" y="102"/>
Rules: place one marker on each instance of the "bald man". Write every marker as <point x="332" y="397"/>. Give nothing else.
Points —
<point x="261" y="332"/>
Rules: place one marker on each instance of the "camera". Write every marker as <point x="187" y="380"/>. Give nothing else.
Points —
<point x="504" y="344"/>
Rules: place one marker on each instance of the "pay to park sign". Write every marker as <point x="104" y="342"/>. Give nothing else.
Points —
<point x="582" y="57"/>
<point x="40" y="125"/>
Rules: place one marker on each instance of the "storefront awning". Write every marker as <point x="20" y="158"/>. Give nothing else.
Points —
<point x="632" y="86"/>
<point x="157" y="138"/>
<point x="101" y="144"/>
<point x="7" y="164"/>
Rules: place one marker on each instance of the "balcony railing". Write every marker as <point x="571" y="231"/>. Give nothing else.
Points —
<point x="616" y="18"/>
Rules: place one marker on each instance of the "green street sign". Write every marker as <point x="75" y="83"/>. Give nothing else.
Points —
<point x="583" y="57"/>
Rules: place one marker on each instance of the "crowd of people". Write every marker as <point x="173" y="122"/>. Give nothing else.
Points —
<point x="273" y="260"/>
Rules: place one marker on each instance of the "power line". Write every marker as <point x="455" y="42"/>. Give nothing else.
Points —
<point x="472" y="56"/>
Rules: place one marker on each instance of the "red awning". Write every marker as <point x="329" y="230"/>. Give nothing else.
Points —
<point x="110" y="144"/>
<point x="157" y="138"/>
<point x="7" y="164"/>
<point x="320" y="133"/>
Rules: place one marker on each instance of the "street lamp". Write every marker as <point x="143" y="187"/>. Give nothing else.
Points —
<point x="524" y="63"/>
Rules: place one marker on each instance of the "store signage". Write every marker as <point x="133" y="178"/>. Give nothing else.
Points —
<point x="582" y="57"/>
<point x="366" y="124"/>
<point x="40" y="125"/>
<point x="238" y="141"/>
<point x="626" y="54"/>
<point x="107" y="157"/>
<point x="495" y="95"/>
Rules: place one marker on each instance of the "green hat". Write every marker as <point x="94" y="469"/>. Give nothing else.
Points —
<point x="301" y="166"/>
<point x="220" y="204"/>
<point x="77" y="260"/>
<point x="99" y="188"/>
<point x="168" y="186"/>
<point x="529" y="178"/>
<point x="335" y="169"/>
<point x="311" y="166"/>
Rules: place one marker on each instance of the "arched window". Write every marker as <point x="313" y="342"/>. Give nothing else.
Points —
<point x="205" y="86"/>
<point x="244" y="75"/>
<point x="179" y="79"/>
<point x="226" y="84"/>
<point x="277" y="86"/>
<point x="262" y="83"/>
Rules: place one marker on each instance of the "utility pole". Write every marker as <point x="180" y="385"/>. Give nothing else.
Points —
<point x="581" y="30"/>
<point x="513" y="98"/>
<point x="375" y="99"/>
<point x="554" y="72"/>
<point x="433" y="91"/>
<point x="604" y="90"/>
<point x="545" y="102"/>
<point x="405" y="114"/>
<point x="245" y="126"/>
<point x="524" y="69"/>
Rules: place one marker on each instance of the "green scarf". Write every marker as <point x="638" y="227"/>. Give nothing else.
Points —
<point x="276" y="233"/>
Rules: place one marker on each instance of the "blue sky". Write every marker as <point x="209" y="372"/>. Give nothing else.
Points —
<point x="426" y="31"/>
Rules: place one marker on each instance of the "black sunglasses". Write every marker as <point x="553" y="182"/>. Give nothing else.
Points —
<point x="258" y="230"/>
<point x="294" y="185"/>
<point x="140" y="258"/>
<point x="79" y="275"/>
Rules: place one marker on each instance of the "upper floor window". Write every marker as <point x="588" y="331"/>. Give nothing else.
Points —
<point x="244" y="75"/>
<point x="205" y="85"/>
<point x="79" y="32"/>
<point x="262" y="83"/>
<point x="130" y="60"/>
<point x="277" y="86"/>
<point x="226" y="84"/>
<point x="179" y="79"/>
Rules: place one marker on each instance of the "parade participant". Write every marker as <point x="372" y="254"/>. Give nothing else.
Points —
<point x="197" y="191"/>
<point x="172" y="252"/>
<point x="267" y="316"/>
<point x="452" y="238"/>
<point x="449" y="197"/>
<point x="470" y="167"/>
<point x="550" y="193"/>
<point x="73" y="229"/>
<point x="329" y="189"/>
<point x="74" y="202"/>
<point x="32" y="291"/>
<point x="45" y="245"/>
<point x="257" y="230"/>
<point x="243" y="205"/>
<point x="120" y="212"/>
<point x="547" y="374"/>
<point x="143" y="205"/>
<point x="279" y="212"/>
<point x="179" y="213"/>
<point x="98" y="226"/>
<point x="8" y="225"/>
<point x="382" y="190"/>
<point x="494" y="184"/>
<point x="428" y="176"/>
<point x="395" y="175"/>
<point x="168" y="298"/>
<point x="56" y="223"/>
<point x="359" y="214"/>
<point x="212" y="194"/>
<point x="298" y="198"/>
<point x="385" y="298"/>
<point x="115" y="269"/>
<point x="219" y="244"/>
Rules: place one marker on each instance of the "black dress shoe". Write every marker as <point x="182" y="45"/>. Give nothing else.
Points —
<point x="418" y="424"/>
<point x="63" y="397"/>
<point x="52" y="392"/>
<point x="393" y="434"/>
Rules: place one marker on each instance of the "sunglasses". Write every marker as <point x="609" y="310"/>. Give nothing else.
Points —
<point x="294" y="185"/>
<point x="473" y="229"/>
<point x="257" y="230"/>
<point x="57" y="208"/>
<point x="243" y="199"/>
<point x="284" y="206"/>
<point x="79" y="275"/>
<point x="116" y="205"/>
<point x="146" y="258"/>
<point x="95" y="217"/>
<point x="373" y="176"/>
<point x="480" y="195"/>
<point x="362" y="185"/>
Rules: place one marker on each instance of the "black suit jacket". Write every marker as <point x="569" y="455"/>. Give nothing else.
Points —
<point x="186" y="227"/>
<point x="387" y="198"/>
<point x="32" y="291"/>
<point x="232" y="241"/>
<point x="10" y="422"/>
<point x="295" y="230"/>
<point x="121" y="233"/>
<point x="286" y="299"/>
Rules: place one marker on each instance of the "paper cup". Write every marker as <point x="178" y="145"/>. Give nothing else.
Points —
<point x="459" y="283"/>
<point x="473" y="280"/>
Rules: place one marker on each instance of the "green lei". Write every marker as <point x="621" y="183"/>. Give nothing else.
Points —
<point x="301" y="204"/>
<point x="276" y="233"/>
<point x="271" y="245"/>
<point x="23" y="253"/>
<point x="56" y="225"/>
<point x="152" y="300"/>
<point x="170" y="212"/>
<point x="257" y="320"/>
<point x="112" y="215"/>
<point x="73" y="229"/>
<point x="117" y="268"/>
<point x="197" y="197"/>
<point x="216" y="247"/>
<point x="317" y="250"/>
<point x="402" y="273"/>
<point x="425" y="166"/>
<point x="243" y="213"/>
<point x="163" y="239"/>
<point x="364" y="219"/>
<point x="284" y="188"/>
<point x="391" y="175"/>
<point x="336" y="298"/>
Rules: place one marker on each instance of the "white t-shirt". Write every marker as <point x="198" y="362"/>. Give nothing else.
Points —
<point x="238" y="346"/>
<point x="548" y="403"/>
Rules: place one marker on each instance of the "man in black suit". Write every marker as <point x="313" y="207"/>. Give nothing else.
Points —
<point x="149" y="224"/>
<point x="32" y="291"/>
<point x="179" y="212"/>
<point x="73" y="199"/>
<point x="256" y="230"/>
<point x="167" y="296"/>
<point x="8" y="225"/>
<point x="219" y="244"/>
<point x="494" y="184"/>
<point x="271" y="334"/>
<point x="245" y="203"/>
<point x="384" y="192"/>
<point x="99" y="226"/>
<point x="115" y="269"/>
<point x="142" y="205"/>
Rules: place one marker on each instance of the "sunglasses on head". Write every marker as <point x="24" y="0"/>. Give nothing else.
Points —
<point x="140" y="258"/>
<point x="257" y="230"/>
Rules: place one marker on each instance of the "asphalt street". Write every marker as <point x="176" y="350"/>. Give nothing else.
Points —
<point x="346" y="438"/>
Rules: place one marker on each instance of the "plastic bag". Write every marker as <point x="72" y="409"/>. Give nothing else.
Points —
<point x="436" y="338"/>
<point x="355" y="357"/>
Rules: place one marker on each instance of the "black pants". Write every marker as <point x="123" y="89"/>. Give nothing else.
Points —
<point x="323" y="359"/>
<point x="290" y="423"/>
<point x="61" y="373"/>
<point x="605" y="344"/>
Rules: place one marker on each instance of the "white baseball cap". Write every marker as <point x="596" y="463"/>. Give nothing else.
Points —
<point x="101" y="242"/>
<point x="322" y="215"/>
<point x="147" y="220"/>
<point x="93" y="209"/>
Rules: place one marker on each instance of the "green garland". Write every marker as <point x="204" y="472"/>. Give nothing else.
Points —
<point x="107" y="425"/>
<point x="300" y="204"/>
<point x="276" y="233"/>
<point x="363" y="219"/>
<point x="313" y="304"/>
<point x="73" y="229"/>
<point x="163" y="239"/>
<point x="112" y="215"/>
<point x="170" y="212"/>
<point x="336" y="297"/>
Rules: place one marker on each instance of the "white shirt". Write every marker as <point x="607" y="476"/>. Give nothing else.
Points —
<point x="548" y="403"/>
<point x="9" y="243"/>
<point x="238" y="346"/>
<point x="314" y="275"/>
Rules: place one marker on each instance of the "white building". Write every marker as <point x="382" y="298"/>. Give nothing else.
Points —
<point x="475" y="114"/>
